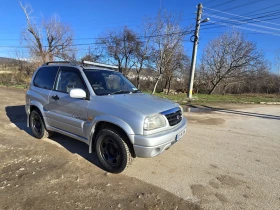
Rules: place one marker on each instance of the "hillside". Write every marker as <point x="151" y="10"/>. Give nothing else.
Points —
<point x="5" y="60"/>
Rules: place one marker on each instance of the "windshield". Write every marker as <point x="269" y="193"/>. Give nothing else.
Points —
<point x="109" y="82"/>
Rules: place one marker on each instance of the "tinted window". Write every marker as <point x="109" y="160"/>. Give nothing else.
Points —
<point x="68" y="80"/>
<point x="45" y="77"/>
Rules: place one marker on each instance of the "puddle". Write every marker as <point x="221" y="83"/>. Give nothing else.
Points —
<point x="206" y="121"/>
<point x="197" y="109"/>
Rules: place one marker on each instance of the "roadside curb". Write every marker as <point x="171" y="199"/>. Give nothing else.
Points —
<point x="270" y="103"/>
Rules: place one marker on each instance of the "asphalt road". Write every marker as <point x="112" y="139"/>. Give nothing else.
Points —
<point x="229" y="159"/>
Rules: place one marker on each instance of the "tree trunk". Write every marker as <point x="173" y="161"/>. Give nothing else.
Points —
<point x="213" y="88"/>
<point x="215" y="85"/>
<point x="138" y="80"/>
<point x="166" y="83"/>
<point x="224" y="89"/>
<point x="169" y="84"/>
<point x="267" y="90"/>
<point x="155" y="87"/>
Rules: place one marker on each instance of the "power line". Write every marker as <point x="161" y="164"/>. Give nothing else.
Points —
<point x="72" y="45"/>
<point x="250" y="20"/>
<point x="243" y="5"/>
<point x="242" y="16"/>
<point x="218" y="5"/>
<point x="242" y="22"/>
<point x="208" y="2"/>
<point x="216" y="32"/>
<point x="226" y="22"/>
<point x="257" y="19"/>
<point x="269" y="13"/>
<point x="183" y="32"/>
<point x="263" y="9"/>
<point x="246" y="28"/>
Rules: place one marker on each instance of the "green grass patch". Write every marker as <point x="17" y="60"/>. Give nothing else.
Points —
<point x="15" y="86"/>
<point x="21" y="86"/>
<point x="229" y="98"/>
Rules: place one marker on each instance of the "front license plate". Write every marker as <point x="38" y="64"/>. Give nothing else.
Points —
<point x="180" y="135"/>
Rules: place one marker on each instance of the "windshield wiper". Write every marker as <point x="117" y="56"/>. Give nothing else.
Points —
<point x="124" y="91"/>
<point x="119" y="92"/>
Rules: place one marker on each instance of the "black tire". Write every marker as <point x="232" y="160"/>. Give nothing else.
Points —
<point x="112" y="151"/>
<point x="38" y="126"/>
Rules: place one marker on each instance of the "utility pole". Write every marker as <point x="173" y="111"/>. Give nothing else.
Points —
<point x="194" y="52"/>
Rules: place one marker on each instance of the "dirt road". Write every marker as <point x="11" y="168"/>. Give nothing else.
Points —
<point x="229" y="159"/>
<point x="50" y="174"/>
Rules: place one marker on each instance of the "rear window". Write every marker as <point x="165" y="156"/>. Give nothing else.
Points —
<point x="45" y="77"/>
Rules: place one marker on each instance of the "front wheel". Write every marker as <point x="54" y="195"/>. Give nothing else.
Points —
<point x="112" y="151"/>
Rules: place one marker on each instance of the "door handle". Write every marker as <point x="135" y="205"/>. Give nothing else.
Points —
<point x="55" y="97"/>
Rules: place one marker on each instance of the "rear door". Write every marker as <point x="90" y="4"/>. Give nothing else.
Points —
<point x="66" y="113"/>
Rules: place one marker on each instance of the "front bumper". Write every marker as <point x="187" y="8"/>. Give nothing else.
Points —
<point x="155" y="144"/>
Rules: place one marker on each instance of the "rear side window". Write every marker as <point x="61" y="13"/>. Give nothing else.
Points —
<point x="45" y="77"/>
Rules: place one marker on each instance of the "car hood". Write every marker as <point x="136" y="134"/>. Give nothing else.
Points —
<point x="145" y="103"/>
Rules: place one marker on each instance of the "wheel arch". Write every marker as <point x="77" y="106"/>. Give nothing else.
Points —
<point x="112" y="126"/>
<point x="32" y="107"/>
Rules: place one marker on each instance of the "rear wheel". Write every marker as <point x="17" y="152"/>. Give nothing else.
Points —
<point x="112" y="151"/>
<point x="37" y="125"/>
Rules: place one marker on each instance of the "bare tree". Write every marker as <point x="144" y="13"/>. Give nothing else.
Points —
<point x="167" y="43"/>
<point x="143" y="51"/>
<point x="177" y="68"/>
<point x="93" y="55"/>
<point x="229" y="58"/>
<point x="277" y="62"/>
<point x="121" y="47"/>
<point x="50" y="40"/>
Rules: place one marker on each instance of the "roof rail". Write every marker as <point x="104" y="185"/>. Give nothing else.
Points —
<point x="65" y="62"/>
<point x="99" y="65"/>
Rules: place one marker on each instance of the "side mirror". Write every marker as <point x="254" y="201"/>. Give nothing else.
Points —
<point x="78" y="93"/>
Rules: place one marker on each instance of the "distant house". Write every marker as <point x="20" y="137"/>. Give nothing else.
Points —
<point x="145" y="75"/>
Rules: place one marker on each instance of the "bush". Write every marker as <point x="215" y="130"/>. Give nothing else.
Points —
<point x="6" y="79"/>
<point x="20" y="77"/>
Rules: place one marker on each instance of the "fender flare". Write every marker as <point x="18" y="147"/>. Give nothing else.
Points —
<point x="113" y="120"/>
<point x="38" y="106"/>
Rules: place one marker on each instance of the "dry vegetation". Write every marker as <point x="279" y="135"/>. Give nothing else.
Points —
<point x="153" y="57"/>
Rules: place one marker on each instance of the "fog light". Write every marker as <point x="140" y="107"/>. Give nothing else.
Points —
<point x="155" y="152"/>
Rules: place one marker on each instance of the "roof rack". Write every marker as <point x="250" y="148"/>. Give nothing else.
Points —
<point x="100" y="65"/>
<point x="65" y="62"/>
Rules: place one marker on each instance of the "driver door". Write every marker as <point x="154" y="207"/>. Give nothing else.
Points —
<point x="66" y="113"/>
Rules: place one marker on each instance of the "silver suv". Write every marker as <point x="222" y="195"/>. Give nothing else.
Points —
<point x="102" y="108"/>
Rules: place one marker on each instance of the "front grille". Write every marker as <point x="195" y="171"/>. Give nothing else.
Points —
<point x="174" y="116"/>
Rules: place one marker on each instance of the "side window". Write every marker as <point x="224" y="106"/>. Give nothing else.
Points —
<point x="45" y="77"/>
<point x="68" y="80"/>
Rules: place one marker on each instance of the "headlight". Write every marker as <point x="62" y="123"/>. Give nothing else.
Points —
<point x="182" y="109"/>
<point x="154" y="121"/>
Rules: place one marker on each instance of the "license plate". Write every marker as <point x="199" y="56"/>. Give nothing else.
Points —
<point x="180" y="135"/>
